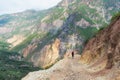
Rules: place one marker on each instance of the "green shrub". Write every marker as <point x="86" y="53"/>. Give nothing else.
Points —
<point x="115" y="16"/>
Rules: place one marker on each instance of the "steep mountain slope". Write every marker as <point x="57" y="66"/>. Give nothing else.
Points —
<point x="102" y="51"/>
<point x="105" y="44"/>
<point x="72" y="23"/>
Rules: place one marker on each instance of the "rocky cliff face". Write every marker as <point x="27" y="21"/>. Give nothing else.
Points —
<point x="47" y="56"/>
<point x="105" y="46"/>
<point x="54" y="44"/>
<point x="72" y="22"/>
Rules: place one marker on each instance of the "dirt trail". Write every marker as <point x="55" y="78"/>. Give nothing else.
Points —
<point x="71" y="69"/>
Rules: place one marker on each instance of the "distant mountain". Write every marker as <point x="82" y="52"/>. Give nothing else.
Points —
<point x="43" y="37"/>
<point x="14" y="28"/>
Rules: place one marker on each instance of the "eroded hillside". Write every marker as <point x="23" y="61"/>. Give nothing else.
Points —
<point x="105" y="44"/>
<point x="100" y="60"/>
<point x="72" y="22"/>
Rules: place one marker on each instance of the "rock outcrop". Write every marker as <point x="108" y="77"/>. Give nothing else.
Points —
<point x="106" y="45"/>
<point x="48" y="55"/>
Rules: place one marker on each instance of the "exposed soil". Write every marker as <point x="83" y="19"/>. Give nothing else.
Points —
<point x="72" y="69"/>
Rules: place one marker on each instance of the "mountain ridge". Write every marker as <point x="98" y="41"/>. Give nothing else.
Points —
<point x="73" y="22"/>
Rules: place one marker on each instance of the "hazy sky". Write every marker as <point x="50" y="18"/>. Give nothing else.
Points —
<point x="12" y="6"/>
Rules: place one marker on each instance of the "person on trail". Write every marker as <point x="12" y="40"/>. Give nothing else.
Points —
<point x="72" y="54"/>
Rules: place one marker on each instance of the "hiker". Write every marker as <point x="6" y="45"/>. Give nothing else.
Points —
<point x="72" y="54"/>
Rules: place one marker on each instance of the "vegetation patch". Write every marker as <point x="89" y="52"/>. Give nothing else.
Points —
<point x="12" y="67"/>
<point x="87" y="33"/>
<point x="117" y="15"/>
<point x="4" y="45"/>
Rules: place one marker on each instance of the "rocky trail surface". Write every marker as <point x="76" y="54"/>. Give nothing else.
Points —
<point x="72" y="69"/>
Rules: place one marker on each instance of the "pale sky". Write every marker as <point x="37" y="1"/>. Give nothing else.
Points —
<point x="13" y="6"/>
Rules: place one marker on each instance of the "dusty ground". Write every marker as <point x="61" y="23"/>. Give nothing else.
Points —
<point x="72" y="69"/>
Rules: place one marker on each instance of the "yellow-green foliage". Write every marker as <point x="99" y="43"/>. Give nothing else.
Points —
<point x="115" y="16"/>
